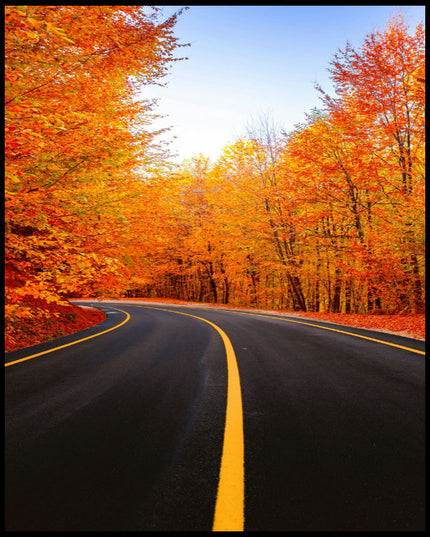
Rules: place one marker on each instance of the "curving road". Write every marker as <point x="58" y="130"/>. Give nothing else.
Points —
<point x="122" y="426"/>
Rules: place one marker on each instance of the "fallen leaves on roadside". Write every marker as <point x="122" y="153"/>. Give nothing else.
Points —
<point x="403" y="325"/>
<point x="48" y="322"/>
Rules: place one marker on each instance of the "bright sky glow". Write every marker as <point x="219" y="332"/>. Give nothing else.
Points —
<point x="249" y="61"/>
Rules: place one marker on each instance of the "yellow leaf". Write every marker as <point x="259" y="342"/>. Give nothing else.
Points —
<point x="34" y="22"/>
<point x="64" y="38"/>
<point x="32" y="35"/>
<point x="57" y="30"/>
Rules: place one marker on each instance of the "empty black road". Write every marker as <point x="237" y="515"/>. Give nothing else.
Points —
<point x="126" y="431"/>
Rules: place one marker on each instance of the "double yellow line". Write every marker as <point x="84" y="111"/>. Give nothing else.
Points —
<point x="229" y="506"/>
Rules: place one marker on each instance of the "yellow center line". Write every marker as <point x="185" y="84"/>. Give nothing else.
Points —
<point x="229" y="507"/>
<point x="334" y="330"/>
<point x="73" y="342"/>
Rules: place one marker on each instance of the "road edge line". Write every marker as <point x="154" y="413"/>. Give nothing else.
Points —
<point x="334" y="330"/>
<point x="72" y="343"/>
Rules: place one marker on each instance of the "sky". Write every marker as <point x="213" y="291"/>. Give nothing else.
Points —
<point x="249" y="62"/>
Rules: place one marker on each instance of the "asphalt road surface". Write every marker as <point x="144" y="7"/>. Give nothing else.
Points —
<point x="126" y="430"/>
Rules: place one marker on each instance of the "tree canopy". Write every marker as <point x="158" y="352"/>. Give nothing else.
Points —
<point x="328" y="217"/>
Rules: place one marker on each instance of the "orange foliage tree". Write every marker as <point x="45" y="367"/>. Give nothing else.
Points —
<point x="327" y="218"/>
<point x="380" y="107"/>
<point x="77" y="140"/>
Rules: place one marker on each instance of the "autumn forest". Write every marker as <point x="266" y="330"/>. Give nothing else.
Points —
<point x="326" y="218"/>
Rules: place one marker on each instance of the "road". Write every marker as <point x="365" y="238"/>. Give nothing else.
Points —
<point x="123" y="426"/>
